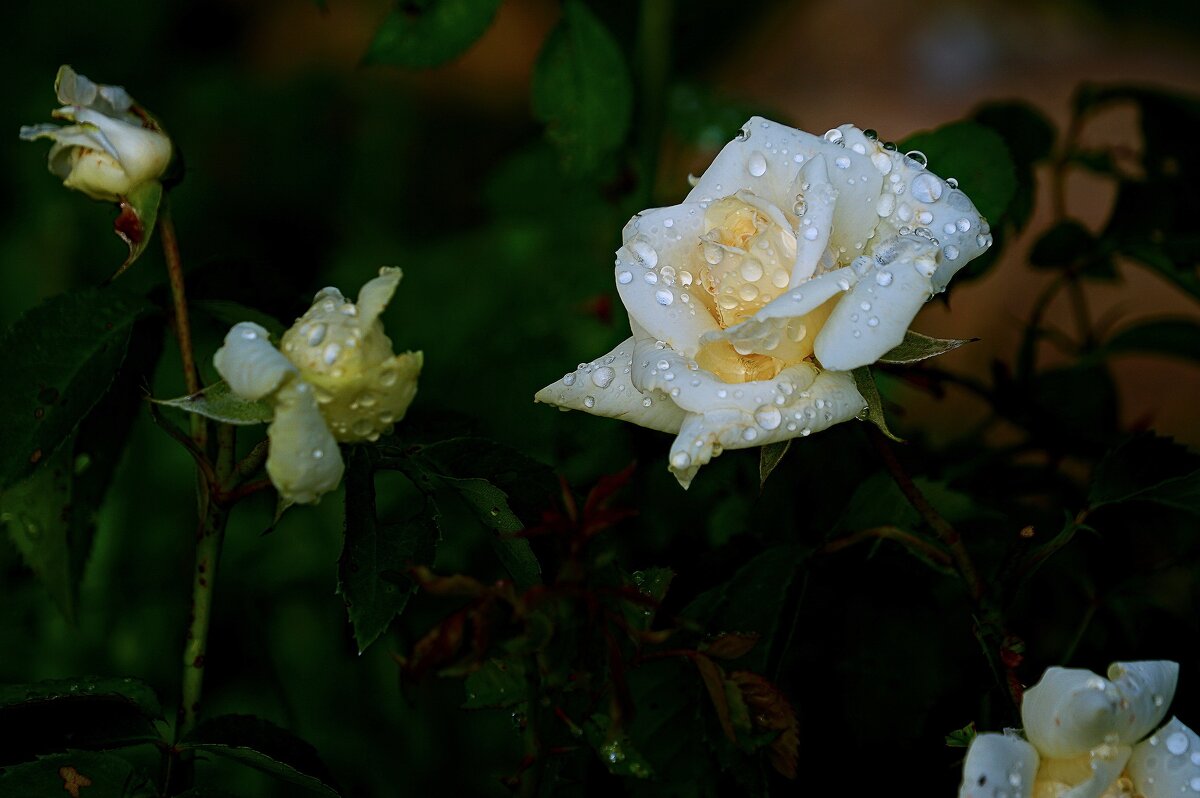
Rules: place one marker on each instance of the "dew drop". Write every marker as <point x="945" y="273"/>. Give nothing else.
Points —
<point x="331" y="354"/>
<point x="749" y="434"/>
<point x="926" y="188"/>
<point x="645" y="254"/>
<point x="768" y="417"/>
<point x="811" y="234"/>
<point x="834" y="136"/>
<point x="1177" y="743"/>
<point x="625" y="278"/>
<point x="951" y="252"/>
<point x="883" y="278"/>
<point x="873" y="321"/>
<point x="842" y="162"/>
<point x="603" y="376"/>
<point x="664" y="296"/>
<point x="589" y="402"/>
<point x="569" y="379"/>
<point x="756" y="164"/>
<point x="751" y="269"/>
<point x="919" y="161"/>
<point x="681" y="460"/>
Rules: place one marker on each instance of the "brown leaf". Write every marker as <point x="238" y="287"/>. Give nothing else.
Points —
<point x="731" y="645"/>
<point x="455" y="585"/>
<point x="771" y="710"/>
<point x="714" y="680"/>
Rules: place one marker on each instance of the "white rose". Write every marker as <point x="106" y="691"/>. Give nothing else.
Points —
<point x="113" y="145"/>
<point x="793" y="260"/>
<point x="1083" y="739"/>
<point x="336" y="380"/>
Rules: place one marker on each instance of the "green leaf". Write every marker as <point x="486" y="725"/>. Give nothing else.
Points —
<point x="417" y="35"/>
<point x="229" y="313"/>
<point x="219" y="403"/>
<point x="652" y="583"/>
<point x="499" y="683"/>
<point x="769" y="457"/>
<point x="615" y="749"/>
<point x="490" y="505"/>
<point x="1175" y="337"/>
<point x="865" y="383"/>
<point x="1148" y="468"/>
<point x="264" y="746"/>
<point x="61" y="358"/>
<point x="135" y="223"/>
<point x="706" y="120"/>
<point x="84" y="712"/>
<point x="750" y="601"/>
<point x="961" y="738"/>
<point x="582" y="89"/>
<point x="51" y="515"/>
<point x="977" y="157"/>
<point x="1027" y="132"/>
<point x="917" y="347"/>
<point x="1071" y="245"/>
<point x="373" y="567"/>
<point x="669" y="729"/>
<point x="88" y="775"/>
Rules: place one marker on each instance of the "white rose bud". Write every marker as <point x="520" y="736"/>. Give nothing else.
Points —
<point x="794" y="260"/>
<point x="112" y="146"/>
<point x="336" y="380"/>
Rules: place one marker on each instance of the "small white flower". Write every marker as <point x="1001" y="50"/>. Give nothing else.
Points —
<point x="1085" y="737"/>
<point x="112" y="146"/>
<point x="336" y="380"/>
<point x="793" y="260"/>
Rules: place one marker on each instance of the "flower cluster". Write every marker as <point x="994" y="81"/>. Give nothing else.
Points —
<point x="1086" y="737"/>
<point x="794" y="260"/>
<point x="335" y="380"/>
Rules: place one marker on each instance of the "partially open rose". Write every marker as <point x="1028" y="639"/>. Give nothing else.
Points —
<point x="111" y="146"/>
<point x="336" y="380"/>
<point x="794" y="260"/>
<point x="1084" y="739"/>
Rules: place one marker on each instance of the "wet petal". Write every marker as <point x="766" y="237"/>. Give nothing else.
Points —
<point x="797" y="403"/>
<point x="143" y="153"/>
<point x="604" y="387"/>
<point x="1070" y="712"/>
<point x="998" y="764"/>
<point x="1167" y="764"/>
<point x="1147" y="688"/>
<point x="659" y="248"/>
<point x="1091" y="775"/>
<point x="303" y="462"/>
<point x="818" y="202"/>
<point x="249" y="363"/>
<point x="75" y="89"/>
<point x="871" y="320"/>
<point x="375" y="295"/>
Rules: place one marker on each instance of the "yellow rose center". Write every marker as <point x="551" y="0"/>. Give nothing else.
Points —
<point x="744" y="261"/>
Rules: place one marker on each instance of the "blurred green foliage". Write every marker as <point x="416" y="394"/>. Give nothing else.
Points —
<point x="462" y="622"/>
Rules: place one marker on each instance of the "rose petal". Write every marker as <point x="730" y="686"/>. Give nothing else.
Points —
<point x="913" y="197"/>
<point x="655" y="300"/>
<point x="871" y="320"/>
<point x="143" y="153"/>
<point x="1070" y="712"/>
<point x="767" y="332"/>
<point x="252" y="367"/>
<point x="375" y="295"/>
<point x="816" y="223"/>
<point x="1090" y="775"/>
<point x="1168" y="763"/>
<point x="999" y="763"/>
<point x="1148" y="688"/>
<point x="604" y="388"/>
<point x="797" y="402"/>
<point x="75" y="89"/>
<point x="303" y="462"/>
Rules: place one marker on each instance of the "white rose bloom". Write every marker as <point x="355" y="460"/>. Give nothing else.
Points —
<point x="336" y="380"/>
<point x="1085" y="740"/>
<point x="793" y="260"/>
<point x="113" y="145"/>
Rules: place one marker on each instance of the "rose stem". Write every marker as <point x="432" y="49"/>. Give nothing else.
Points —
<point x="988" y="621"/>
<point x="208" y="552"/>
<point x="182" y="323"/>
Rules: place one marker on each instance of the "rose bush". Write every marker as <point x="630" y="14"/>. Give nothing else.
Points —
<point x="794" y="260"/>
<point x="1084" y="739"/>
<point x="335" y="380"/>
<point x="112" y="147"/>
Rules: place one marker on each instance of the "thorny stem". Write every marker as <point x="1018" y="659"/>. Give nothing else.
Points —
<point x="208" y="552"/>
<point x="182" y="323"/>
<point x="989" y="626"/>
<point x="890" y="533"/>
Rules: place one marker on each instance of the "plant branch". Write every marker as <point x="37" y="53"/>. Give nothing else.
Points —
<point x="181" y="321"/>
<point x="890" y="533"/>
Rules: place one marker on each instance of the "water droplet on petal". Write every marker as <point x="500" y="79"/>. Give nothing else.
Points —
<point x="951" y="252"/>
<point x="811" y="234"/>
<point x="681" y="460"/>
<point x="834" y="136"/>
<point x="625" y="277"/>
<point x="603" y="376"/>
<point x="842" y="162"/>
<point x="918" y="159"/>
<point x="331" y="354"/>
<point x="645" y="254"/>
<point x="768" y="417"/>
<point x="664" y="296"/>
<point x="1177" y="743"/>
<point x="926" y="187"/>
<point x="883" y="278"/>
<point x="756" y="165"/>
<point x="589" y="402"/>
<point x="569" y="379"/>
